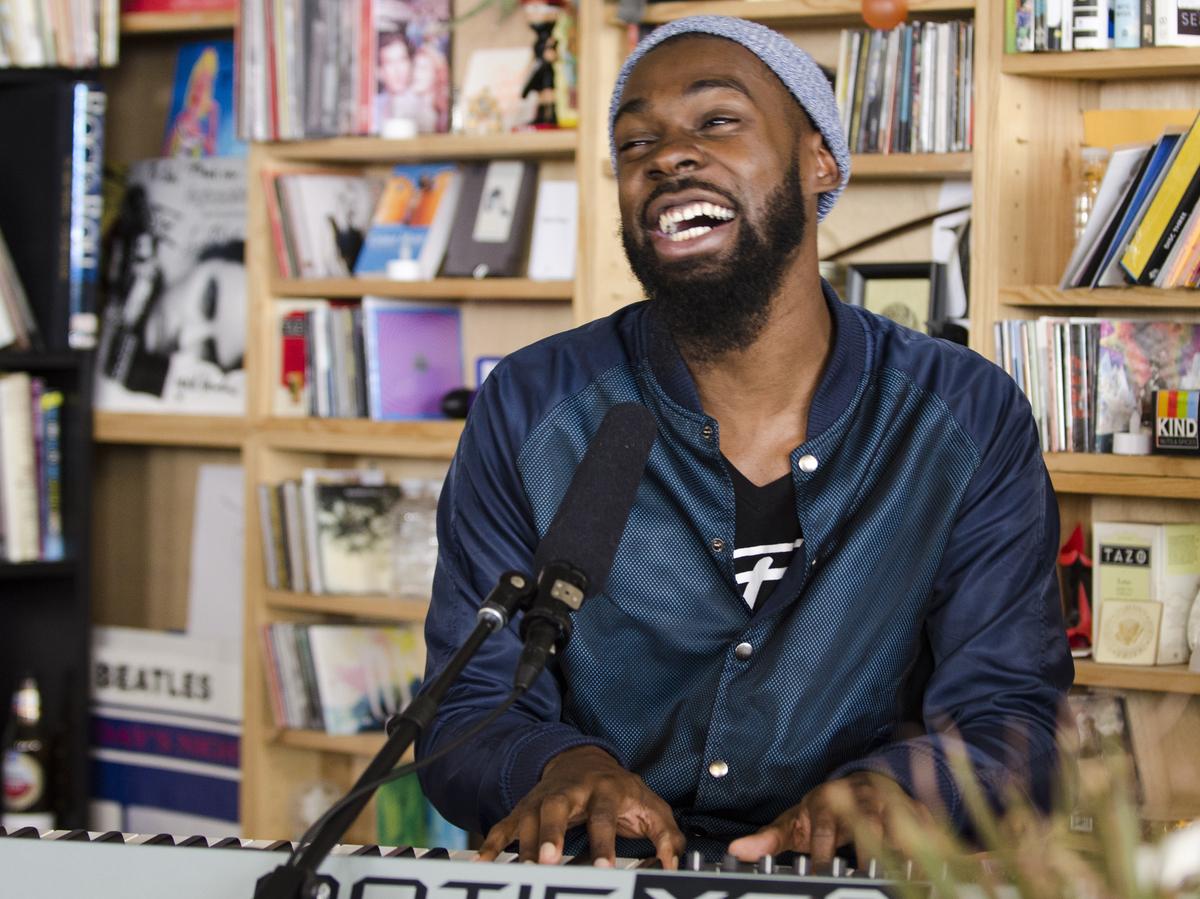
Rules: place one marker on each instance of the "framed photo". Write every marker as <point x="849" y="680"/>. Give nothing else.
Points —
<point x="909" y="293"/>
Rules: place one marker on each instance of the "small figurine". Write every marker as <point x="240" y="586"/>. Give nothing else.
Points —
<point x="1075" y="571"/>
<point x="543" y="16"/>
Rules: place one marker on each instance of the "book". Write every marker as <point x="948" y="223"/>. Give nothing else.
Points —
<point x="294" y="388"/>
<point x="1167" y="213"/>
<point x="410" y="52"/>
<point x="1176" y="23"/>
<point x="310" y="480"/>
<point x="492" y="90"/>
<point x="325" y="215"/>
<point x="50" y="180"/>
<point x="201" y="119"/>
<point x="491" y="228"/>
<point x="356" y="529"/>
<point x="18" y="327"/>
<point x="365" y="674"/>
<point x="555" y="232"/>
<point x="18" y="471"/>
<point x="178" y="6"/>
<point x="411" y="226"/>
<point x="414" y="357"/>
<point x="174" y="333"/>
<point x="1120" y="177"/>
<point x="50" y="477"/>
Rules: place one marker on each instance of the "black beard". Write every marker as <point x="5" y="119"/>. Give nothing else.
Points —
<point x="718" y="305"/>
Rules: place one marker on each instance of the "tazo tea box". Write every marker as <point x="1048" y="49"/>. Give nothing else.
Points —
<point x="1146" y="578"/>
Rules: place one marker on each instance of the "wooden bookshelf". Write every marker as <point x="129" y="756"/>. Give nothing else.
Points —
<point x="364" y="745"/>
<point x="914" y="166"/>
<point x="154" y="429"/>
<point x="1105" y="474"/>
<point x="1160" y="678"/>
<point x="520" y="289"/>
<point x="434" y="439"/>
<point x="784" y="13"/>
<point x="149" y="23"/>
<point x="523" y="144"/>
<point x="1043" y="295"/>
<point x="379" y="608"/>
<point x="1106" y="65"/>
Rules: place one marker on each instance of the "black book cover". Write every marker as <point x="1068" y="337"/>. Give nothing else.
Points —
<point x="491" y="228"/>
<point x="40" y="169"/>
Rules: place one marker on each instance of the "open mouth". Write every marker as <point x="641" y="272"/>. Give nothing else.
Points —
<point x="692" y="220"/>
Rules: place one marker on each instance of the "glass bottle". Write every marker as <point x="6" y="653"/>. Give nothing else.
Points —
<point x="1092" y="164"/>
<point x="28" y="798"/>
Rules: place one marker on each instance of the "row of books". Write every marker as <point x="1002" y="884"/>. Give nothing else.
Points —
<point x="18" y="327"/>
<point x="55" y="246"/>
<point x="349" y="531"/>
<point x="908" y="90"/>
<point x="1061" y="25"/>
<point x="1088" y="379"/>
<point x="341" y="679"/>
<point x="1144" y="227"/>
<point x="384" y="359"/>
<point x="72" y="34"/>
<point x="469" y="220"/>
<point x="327" y="67"/>
<point x="31" y="520"/>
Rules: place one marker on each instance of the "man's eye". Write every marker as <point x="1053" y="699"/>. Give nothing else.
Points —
<point x="718" y="120"/>
<point x="632" y="143"/>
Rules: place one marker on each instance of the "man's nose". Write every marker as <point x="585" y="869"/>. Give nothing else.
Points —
<point x="675" y="155"/>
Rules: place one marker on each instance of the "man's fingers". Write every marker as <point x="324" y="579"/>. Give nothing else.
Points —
<point x="602" y="832"/>
<point x="555" y="813"/>
<point x="771" y="840"/>
<point x="824" y="839"/>
<point x="669" y="843"/>
<point x="527" y="835"/>
<point x="498" y="837"/>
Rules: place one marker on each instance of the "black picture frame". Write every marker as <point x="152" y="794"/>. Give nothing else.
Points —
<point x="909" y="293"/>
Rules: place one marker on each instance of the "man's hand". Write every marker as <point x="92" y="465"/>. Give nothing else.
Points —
<point x="586" y="784"/>
<point x="830" y="814"/>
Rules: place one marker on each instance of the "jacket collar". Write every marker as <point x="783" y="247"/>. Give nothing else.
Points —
<point x="835" y="392"/>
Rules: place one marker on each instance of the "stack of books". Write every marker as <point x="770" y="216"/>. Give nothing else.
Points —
<point x="31" y="519"/>
<point x="71" y="34"/>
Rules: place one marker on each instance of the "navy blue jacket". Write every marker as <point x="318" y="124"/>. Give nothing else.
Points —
<point x="925" y="588"/>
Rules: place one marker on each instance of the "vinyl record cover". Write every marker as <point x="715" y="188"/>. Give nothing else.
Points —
<point x="412" y="221"/>
<point x="414" y="357"/>
<point x="174" y="326"/>
<point x="491" y="229"/>
<point x="201" y="119"/>
<point x="355" y="536"/>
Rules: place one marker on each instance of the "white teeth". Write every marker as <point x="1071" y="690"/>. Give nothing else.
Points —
<point x="672" y="217"/>
<point x="688" y="234"/>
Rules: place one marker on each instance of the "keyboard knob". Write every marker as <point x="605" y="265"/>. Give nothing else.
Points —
<point x="765" y="865"/>
<point x="837" y="867"/>
<point x="694" y="860"/>
<point x="803" y="865"/>
<point x="730" y="863"/>
<point x="871" y="870"/>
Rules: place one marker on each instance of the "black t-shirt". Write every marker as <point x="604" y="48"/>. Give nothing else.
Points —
<point x="768" y="534"/>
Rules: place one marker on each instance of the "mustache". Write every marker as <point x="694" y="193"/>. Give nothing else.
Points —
<point x="678" y="185"/>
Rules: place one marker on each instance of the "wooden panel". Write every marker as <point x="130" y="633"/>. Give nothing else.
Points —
<point x="1147" y="62"/>
<point x="150" y="23"/>
<point x="496" y="329"/>
<point x="910" y="165"/>
<point x="168" y="430"/>
<point x="528" y="144"/>
<point x="519" y="289"/>
<point x="1165" y="730"/>
<point x="788" y="12"/>
<point x="139" y="99"/>
<point x="1165" y="678"/>
<point x="349" y="744"/>
<point x="424" y="439"/>
<point x="379" y="608"/>
<point x="143" y="505"/>
<point x="1038" y="295"/>
<point x="1126" y="485"/>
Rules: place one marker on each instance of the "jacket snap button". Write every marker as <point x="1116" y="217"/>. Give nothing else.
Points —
<point x="718" y="769"/>
<point x="706" y="432"/>
<point x="807" y="463"/>
<point x="743" y="651"/>
<point x="717" y="544"/>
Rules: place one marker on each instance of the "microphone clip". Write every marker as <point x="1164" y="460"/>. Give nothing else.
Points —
<point x="561" y="590"/>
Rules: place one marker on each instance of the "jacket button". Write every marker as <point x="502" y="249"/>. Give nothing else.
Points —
<point x="717" y="544"/>
<point x="743" y="651"/>
<point x="718" y="769"/>
<point x="807" y="463"/>
<point x="706" y="432"/>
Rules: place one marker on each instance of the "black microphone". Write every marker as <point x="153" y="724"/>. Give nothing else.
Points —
<point x="574" y="558"/>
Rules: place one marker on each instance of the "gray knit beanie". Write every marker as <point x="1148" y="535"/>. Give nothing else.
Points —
<point x="795" y="68"/>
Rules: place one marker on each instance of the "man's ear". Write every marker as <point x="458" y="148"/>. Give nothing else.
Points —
<point x="823" y="175"/>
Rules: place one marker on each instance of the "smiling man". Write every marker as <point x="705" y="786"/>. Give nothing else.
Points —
<point x="839" y="569"/>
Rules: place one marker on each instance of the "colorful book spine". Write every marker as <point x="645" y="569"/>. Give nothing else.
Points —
<point x="53" y="548"/>
<point x="87" y="206"/>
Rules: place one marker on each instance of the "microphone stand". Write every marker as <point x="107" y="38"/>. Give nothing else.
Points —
<point x="297" y="878"/>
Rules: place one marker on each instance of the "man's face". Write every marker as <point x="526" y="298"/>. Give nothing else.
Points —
<point x="712" y="210"/>
<point x="395" y="67"/>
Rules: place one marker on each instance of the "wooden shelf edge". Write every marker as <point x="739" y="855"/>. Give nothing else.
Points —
<point x="384" y="608"/>
<point x="153" y="429"/>
<point x="1105" y="297"/>
<point x="781" y="12"/>
<point x="1107" y="474"/>
<point x="342" y="150"/>
<point x="1161" y="678"/>
<point x="347" y="744"/>
<point x="1107" y="65"/>
<point x="878" y="166"/>
<point x="433" y="439"/>
<point x="515" y="289"/>
<point x="140" y="23"/>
